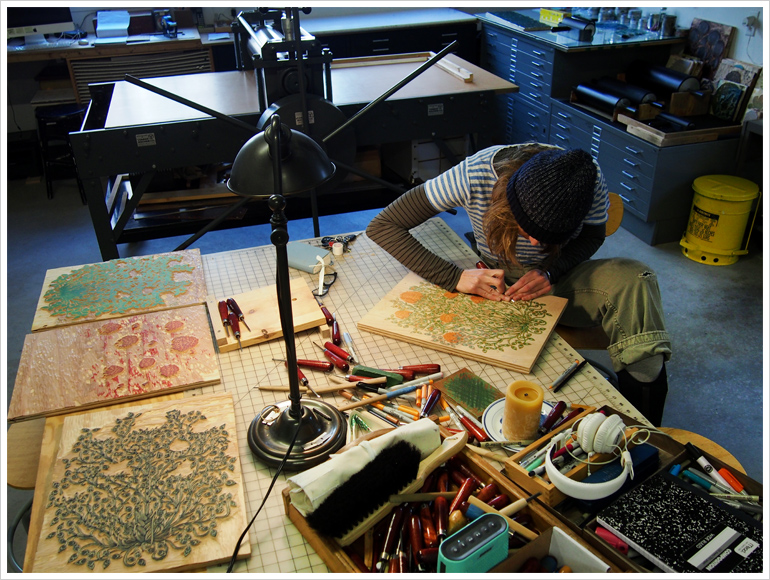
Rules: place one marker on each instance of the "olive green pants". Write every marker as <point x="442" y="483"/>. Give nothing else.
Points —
<point x="621" y="295"/>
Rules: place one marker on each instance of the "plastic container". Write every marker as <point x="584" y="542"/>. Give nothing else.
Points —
<point x="721" y="207"/>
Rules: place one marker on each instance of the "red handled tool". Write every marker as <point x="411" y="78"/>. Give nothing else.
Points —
<point x="343" y="354"/>
<point x="224" y="315"/>
<point x="318" y="365"/>
<point x="338" y="362"/>
<point x="427" y="369"/>
<point x="336" y="336"/>
<point x="406" y="373"/>
<point x="233" y="319"/>
<point x="326" y="313"/>
<point x="235" y="308"/>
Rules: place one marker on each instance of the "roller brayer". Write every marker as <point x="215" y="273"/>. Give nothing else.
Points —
<point x="349" y="493"/>
<point x="577" y="28"/>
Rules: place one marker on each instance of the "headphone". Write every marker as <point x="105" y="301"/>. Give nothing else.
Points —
<point x="596" y="433"/>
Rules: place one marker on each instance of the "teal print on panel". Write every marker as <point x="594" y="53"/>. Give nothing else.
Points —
<point x="470" y="321"/>
<point x="116" y="287"/>
<point x="141" y="493"/>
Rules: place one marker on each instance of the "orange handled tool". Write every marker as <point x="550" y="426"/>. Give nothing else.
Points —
<point x="224" y="314"/>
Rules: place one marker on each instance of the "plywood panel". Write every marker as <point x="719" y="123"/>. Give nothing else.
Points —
<point x="119" y="288"/>
<point x="506" y="334"/>
<point x="99" y="363"/>
<point x="260" y="309"/>
<point x="148" y="488"/>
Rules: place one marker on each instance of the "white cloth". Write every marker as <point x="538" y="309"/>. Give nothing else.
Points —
<point x="310" y="488"/>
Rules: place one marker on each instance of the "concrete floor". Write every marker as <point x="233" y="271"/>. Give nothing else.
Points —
<point x="714" y="314"/>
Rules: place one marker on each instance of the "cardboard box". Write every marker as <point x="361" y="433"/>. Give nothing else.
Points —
<point x="559" y="544"/>
<point x="339" y="559"/>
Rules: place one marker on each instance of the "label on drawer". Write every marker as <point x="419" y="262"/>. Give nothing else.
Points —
<point x="145" y="140"/>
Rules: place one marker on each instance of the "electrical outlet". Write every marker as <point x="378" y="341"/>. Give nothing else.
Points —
<point x="751" y="23"/>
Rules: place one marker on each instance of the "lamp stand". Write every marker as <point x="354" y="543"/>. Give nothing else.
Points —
<point x="322" y="428"/>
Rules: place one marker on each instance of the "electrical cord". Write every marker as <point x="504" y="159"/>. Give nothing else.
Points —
<point x="12" y="533"/>
<point x="267" y="494"/>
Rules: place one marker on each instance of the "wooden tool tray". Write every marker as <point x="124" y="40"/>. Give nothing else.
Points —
<point x="339" y="559"/>
<point x="549" y="495"/>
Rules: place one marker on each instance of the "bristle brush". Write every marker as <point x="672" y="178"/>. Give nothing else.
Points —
<point x="345" y="528"/>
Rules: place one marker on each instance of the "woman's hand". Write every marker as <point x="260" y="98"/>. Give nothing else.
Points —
<point x="533" y="284"/>
<point x="486" y="283"/>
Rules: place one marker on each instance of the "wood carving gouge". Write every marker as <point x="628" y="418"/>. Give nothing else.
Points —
<point x="235" y="308"/>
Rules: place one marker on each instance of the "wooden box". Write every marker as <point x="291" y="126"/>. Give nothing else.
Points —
<point x="349" y="559"/>
<point x="549" y="495"/>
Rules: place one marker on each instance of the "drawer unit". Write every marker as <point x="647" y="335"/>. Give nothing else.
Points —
<point x="527" y="123"/>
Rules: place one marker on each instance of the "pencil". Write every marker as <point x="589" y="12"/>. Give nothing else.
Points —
<point x="562" y="380"/>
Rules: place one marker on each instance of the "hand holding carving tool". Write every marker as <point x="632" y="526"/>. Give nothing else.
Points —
<point x="224" y="315"/>
<point x="233" y="319"/>
<point x="235" y="308"/>
<point x="326" y="313"/>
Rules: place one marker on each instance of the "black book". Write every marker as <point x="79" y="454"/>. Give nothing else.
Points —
<point x="680" y="528"/>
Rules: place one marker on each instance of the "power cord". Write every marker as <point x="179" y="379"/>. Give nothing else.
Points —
<point x="267" y="494"/>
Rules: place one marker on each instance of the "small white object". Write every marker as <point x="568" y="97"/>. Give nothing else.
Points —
<point x="338" y="248"/>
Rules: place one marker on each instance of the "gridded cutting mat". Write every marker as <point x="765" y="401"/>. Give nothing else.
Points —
<point x="366" y="274"/>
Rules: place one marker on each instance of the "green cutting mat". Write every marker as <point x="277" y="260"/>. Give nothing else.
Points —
<point x="468" y="390"/>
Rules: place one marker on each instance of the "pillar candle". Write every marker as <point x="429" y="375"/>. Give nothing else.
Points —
<point x="521" y="415"/>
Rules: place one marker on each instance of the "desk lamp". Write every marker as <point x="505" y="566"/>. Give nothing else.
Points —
<point x="296" y="163"/>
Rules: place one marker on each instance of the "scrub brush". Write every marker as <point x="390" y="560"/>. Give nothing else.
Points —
<point x="362" y="501"/>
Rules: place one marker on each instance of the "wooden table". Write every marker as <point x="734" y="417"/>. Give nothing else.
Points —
<point x="365" y="275"/>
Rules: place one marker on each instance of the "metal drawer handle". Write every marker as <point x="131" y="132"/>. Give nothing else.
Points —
<point x="562" y="127"/>
<point x="632" y="150"/>
<point x="629" y="162"/>
<point x="537" y="52"/>
<point x="538" y="64"/>
<point x="534" y="96"/>
<point x="380" y="39"/>
<point x="537" y="75"/>
<point x="563" y="138"/>
<point x="536" y="86"/>
<point x="563" y="116"/>
<point x="531" y="114"/>
<point x="627" y="188"/>
<point x="627" y="174"/>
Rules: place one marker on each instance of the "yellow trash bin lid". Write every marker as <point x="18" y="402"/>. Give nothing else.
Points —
<point x="725" y="187"/>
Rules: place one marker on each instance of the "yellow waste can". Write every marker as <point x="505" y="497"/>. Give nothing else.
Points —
<point x="721" y="206"/>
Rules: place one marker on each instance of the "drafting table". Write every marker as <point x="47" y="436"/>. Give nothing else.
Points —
<point x="365" y="275"/>
<point x="129" y="130"/>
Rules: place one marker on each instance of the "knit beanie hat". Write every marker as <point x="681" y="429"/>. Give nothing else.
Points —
<point x="551" y="193"/>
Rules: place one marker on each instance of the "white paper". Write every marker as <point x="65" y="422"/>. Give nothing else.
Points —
<point x="112" y="23"/>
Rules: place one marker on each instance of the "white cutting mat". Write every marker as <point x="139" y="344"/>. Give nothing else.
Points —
<point x="365" y="275"/>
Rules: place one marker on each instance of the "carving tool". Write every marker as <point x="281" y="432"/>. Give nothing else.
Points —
<point x="428" y="369"/>
<point x="349" y="345"/>
<point x="235" y="308"/>
<point x="358" y="379"/>
<point x="319" y="365"/>
<point x="522" y="443"/>
<point x="430" y="403"/>
<point x="318" y="390"/>
<point x="513" y="525"/>
<point x="420" y="381"/>
<point x="233" y="319"/>
<point x="337" y="361"/>
<point x="403" y="417"/>
<point x="553" y="416"/>
<point x="518" y="505"/>
<point x="376" y="398"/>
<point x="336" y="337"/>
<point x="225" y="318"/>
<point x="333" y="348"/>
<point x="406" y="373"/>
<point x="470" y="426"/>
<point x="326" y="313"/>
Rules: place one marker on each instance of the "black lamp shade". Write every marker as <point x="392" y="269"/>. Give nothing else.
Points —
<point x="304" y="164"/>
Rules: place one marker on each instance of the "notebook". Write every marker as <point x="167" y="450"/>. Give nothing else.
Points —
<point x="680" y="528"/>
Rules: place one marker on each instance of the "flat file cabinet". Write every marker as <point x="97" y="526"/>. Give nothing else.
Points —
<point x="654" y="182"/>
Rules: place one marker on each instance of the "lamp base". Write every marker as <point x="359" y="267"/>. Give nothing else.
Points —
<point x="322" y="432"/>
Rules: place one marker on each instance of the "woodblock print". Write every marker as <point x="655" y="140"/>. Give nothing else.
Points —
<point x="506" y="334"/>
<point x="120" y="287"/>
<point x="151" y="487"/>
<point x="99" y="363"/>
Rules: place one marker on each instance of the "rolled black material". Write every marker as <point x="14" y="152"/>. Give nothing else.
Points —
<point x="637" y="95"/>
<point x="660" y="79"/>
<point x="674" y="120"/>
<point x="599" y="99"/>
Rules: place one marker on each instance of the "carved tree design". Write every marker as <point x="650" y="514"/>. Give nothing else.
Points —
<point x="141" y="493"/>
<point x="116" y="287"/>
<point x="470" y="321"/>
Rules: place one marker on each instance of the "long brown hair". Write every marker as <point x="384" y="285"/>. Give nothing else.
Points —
<point x="500" y="226"/>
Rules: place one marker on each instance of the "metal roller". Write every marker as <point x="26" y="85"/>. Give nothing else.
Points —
<point x="661" y="79"/>
<point x="637" y="95"/>
<point x="600" y="99"/>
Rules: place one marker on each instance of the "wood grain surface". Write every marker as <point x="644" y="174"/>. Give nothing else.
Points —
<point x="99" y="363"/>
<point x="260" y="309"/>
<point x="155" y="517"/>
<point x="506" y="334"/>
<point x="118" y="288"/>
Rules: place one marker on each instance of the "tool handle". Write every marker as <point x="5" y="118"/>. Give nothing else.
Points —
<point x="480" y="265"/>
<point x="472" y="429"/>
<point x="234" y="323"/>
<point x="234" y="307"/>
<point x="336" y="361"/>
<point x="553" y="416"/>
<point x="337" y="351"/>
<point x="223" y="312"/>
<point x="327" y="315"/>
<point x="336" y="336"/>
<point x="406" y="373"/>
<point x="420" y="369"/>
<point x="430" y="403"/>
<point x="319" y="365"/>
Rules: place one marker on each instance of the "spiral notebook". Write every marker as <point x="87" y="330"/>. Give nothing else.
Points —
<point x="679" y="528"/>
